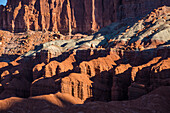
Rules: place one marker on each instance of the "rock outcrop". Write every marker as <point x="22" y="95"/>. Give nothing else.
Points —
<point x="77" y="85"/>
<point x="43" y="86"/>
<point x="115" y="76"/>
<point x="69" y="15"/>
<point x="57" y="100"/>
<point x="119" y="62"/>
<point x="156" y="101"/>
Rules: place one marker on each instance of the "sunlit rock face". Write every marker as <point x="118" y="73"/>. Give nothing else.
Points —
<point x="121" y="61"/>
<point x="71" y="15"/>
<point x="126" y="60"/>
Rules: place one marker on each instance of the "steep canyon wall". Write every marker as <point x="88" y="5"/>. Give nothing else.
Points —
<point x="71" y="15"/>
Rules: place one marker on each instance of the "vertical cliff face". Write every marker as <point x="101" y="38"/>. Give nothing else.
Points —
<point x="71" y="15"/>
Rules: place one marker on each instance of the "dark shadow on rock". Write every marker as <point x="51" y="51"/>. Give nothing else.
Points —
<point x="8" y="58"/>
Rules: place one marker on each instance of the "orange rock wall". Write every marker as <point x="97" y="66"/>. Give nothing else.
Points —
<point x="71" y="15"/>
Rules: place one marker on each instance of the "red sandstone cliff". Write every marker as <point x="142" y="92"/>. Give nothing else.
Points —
<point x="119" y="62"/>
<point x="97" y="67"/>
<point x="71" y="15"/>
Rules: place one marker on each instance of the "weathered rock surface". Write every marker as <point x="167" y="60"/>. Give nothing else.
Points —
<point x="58" y="100"/>
<point x="110" y="72"/>
<point x="77" y="85"/>
<point x="156" y="101"/>
<point x="18" y="87"/>
<point x="13" y="45"/>
<point x="150" y="32"/>
<point x="43" y="86"/>
<point x="120" y="62"/>
<point x="70" y="15"/>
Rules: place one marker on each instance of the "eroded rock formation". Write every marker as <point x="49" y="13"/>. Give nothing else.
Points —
<point x="71" y="15"/>
<point x="114" y="77"/>
<point x="122" y="61"/>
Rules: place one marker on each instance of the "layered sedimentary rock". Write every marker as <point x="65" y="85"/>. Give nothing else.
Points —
<point x="114" y="77"/>
<point x="71" y="15"/>
<point x="77" y="85"/>
<point x="121" y="61"/>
